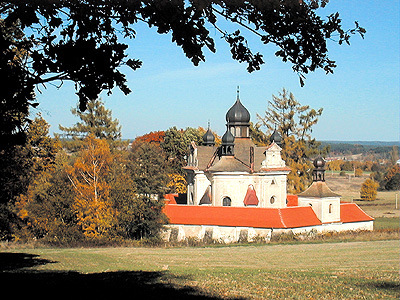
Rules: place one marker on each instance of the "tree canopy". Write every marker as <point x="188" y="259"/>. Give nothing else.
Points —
<point x="294" y="122"/>
<point x="85" y="42"/>
<point x="96" y="120"/>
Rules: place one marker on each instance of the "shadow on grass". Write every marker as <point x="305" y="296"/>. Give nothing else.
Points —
<point x="391" y="286"/>
<point x="17" y="275"/>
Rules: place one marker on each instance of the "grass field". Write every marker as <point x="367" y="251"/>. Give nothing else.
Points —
<point x="353" y="270"/>
<point x="349" y="189"/>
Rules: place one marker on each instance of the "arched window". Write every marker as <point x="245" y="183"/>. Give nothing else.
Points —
<point x="272" y="200"/>
<point x="226" y="201"/>
<point x="330" y="208"/>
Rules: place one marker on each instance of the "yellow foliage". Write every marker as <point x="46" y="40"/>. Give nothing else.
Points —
<point x="177" y="183"/>
<point x="88" y="177"/>
<point x="369" y="190"/>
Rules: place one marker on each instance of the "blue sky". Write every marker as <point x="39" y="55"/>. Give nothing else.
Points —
<point x="360" y="100"/>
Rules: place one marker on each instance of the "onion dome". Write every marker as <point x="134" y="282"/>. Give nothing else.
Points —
<point x="319" y="171"/>
<point x="238" y="114"/>
<point x="208" y="138"/>
<point x="276" y="137"/>
<point x="228" y="143"/>
<point x="228" y="138"/>
<point x="319" y="162"/>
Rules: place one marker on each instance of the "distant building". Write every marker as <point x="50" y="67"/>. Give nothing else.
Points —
<point x="238" y="191"/>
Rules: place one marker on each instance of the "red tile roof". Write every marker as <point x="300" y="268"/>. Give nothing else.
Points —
<point x="290" y="217"/>
<point x="351" y="212"/>
<point x="292" y="200"/>
<point x="170" y="198"/>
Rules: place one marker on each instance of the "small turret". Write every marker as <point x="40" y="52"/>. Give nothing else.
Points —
<point x="276" y="138"/>
<point x="319" y="169"/>
<point x="209" y="138"/>
<point x="228" y="143"/>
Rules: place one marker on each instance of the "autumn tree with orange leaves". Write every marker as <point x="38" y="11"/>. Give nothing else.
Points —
<point x="88" y="177"/>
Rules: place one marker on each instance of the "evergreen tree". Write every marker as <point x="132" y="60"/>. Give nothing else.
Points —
<point x="294" y="122"/>
<point x="258" y="137"/>
<point x="148" y="168"/>
<point x="96" y="120"/>
<point x="290" y="117"/>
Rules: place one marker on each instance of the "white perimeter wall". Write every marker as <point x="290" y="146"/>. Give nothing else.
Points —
<point x="227" y="234"/>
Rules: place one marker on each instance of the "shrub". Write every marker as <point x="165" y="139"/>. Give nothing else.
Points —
<point x="358" y="172"/>
<point x="369" y="190"/>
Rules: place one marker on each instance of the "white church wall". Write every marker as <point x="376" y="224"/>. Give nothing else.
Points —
<point x="232" y="186"/>
<point x="271" y="186"/>
<point x="201" y="183"/>
<point x="235" y="187"/>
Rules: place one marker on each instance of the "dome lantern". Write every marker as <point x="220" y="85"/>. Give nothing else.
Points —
<point x="228" y="143"/>
<point x="319" y="170"/>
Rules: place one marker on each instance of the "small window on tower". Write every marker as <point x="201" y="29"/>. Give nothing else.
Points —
<point x="272" y="200"/>
<point x="330" y="208"/>
<point x="273" y="181"/>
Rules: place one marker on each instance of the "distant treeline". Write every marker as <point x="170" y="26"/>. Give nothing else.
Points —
<point x="349" y="148"/>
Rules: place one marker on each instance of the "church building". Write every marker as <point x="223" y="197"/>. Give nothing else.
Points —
<point x="237" y="173"/>
<point x="237" y="191"/>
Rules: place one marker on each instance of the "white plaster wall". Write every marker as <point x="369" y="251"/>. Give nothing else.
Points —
<point x="227" y="234"/>
<point x="235" y="187"/>
<point x="232" y="186"/>
<point x="200" y="185"/>
<point x="223" y="234"/>
<point x="331" y="227"/>
<point x="267" y="190"/>
<point x="320" y="207"/>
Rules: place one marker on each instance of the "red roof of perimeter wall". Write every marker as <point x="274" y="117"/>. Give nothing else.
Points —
<point x="351" y="212"/>
<point x="290" y="217"/>
<point x="257" y="217"/>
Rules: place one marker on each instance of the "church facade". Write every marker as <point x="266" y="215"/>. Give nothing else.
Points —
<point x="237" y="191"/>
<point x="237" y="173"/>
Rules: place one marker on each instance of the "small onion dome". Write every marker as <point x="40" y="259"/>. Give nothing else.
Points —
<point x="209" y="138"/>
<point x="237" y="114"/>
<point x="275" y="137"/>
<point x="228" y="138"/>
<point x="319" y="162"/>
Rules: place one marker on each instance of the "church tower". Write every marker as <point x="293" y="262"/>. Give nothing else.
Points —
<point x="324" y="202"/>
<point x="238" y="120"/>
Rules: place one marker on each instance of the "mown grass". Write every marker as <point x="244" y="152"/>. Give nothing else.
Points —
<point x="347" y="270"/>
<point x="387" y="223"/>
